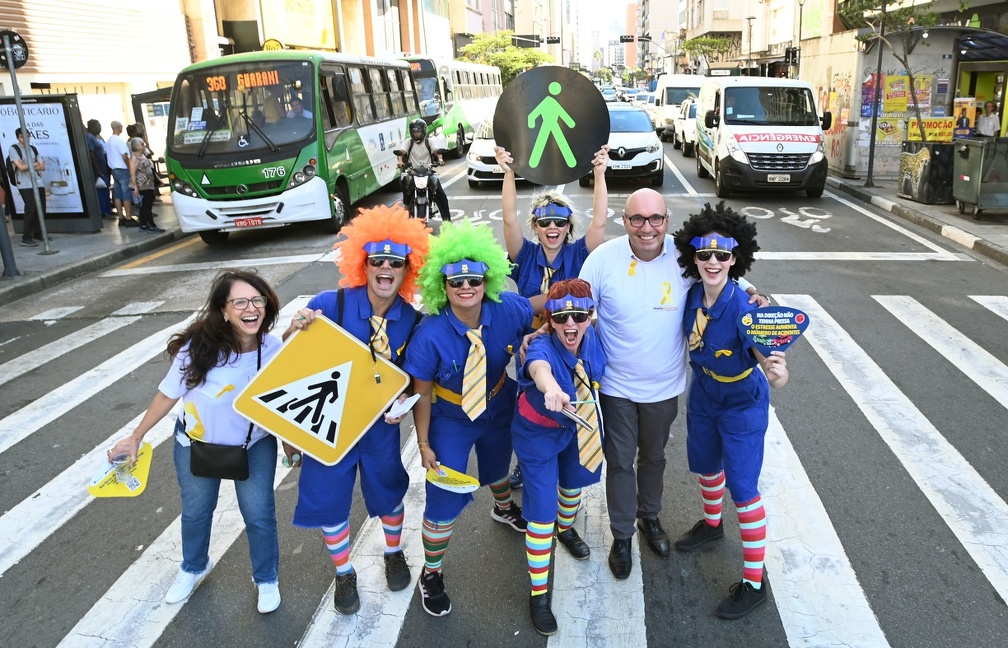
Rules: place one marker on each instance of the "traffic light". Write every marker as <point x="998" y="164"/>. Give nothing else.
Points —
<point x="626" y="38"/>
<point x="791" y="55"/>
<point x="794" y="55"/>
<point x="552" y="40"/>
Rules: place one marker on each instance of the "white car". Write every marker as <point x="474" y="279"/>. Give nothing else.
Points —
<point x="481" y="163"/>
<point x="685" y="127"/>
<point x="634" y="148"/>
<point x="609" y="95"/>
<point x="648" y="103"/>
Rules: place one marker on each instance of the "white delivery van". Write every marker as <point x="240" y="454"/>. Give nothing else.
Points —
<point x="670" y="91"/>
<point x="760" y="133"/>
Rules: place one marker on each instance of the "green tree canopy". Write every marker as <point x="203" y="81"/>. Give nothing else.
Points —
<point x="706" y="48"/>
<point x="605" y="74"/>
<point x="497" y="49"/>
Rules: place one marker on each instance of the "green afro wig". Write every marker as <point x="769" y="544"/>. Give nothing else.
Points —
<point x="457" y="242"/>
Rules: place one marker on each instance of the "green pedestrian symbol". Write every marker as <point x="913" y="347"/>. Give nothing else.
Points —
<point x="551" y="112"/>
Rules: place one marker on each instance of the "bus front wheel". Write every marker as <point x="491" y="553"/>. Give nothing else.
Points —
<point x="213" y="237"/>
<point x="340" y="210"/>
<point x="460" y="142"/>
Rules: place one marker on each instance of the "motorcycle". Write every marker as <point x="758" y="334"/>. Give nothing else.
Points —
<point x="420" y="190"/>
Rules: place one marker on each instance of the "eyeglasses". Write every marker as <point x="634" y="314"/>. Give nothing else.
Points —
<point x="242" y="302"/>
<point x="377" y="261"/>
<point x="550" y="220"/>
<point x="474" y="282"/>
<point x="580" y="317"/>
<point x="705" y="255"/>
<point x="654" y="219"/>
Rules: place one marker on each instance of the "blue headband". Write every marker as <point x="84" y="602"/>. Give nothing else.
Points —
<point x="714" y="242"/>
<point x="567" y="304"/>
<point x="464" y="268"/>
<point x="388" y="249"/>
<point x="557" y="211"/>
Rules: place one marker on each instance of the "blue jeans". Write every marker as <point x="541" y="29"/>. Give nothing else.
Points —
<point x="255" y="500"/>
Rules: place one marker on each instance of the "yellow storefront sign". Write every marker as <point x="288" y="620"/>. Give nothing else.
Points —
<point x="322" y="391"/>
<point x="937" y="129"/>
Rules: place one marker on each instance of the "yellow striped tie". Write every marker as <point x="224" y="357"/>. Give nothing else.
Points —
<point x="474" y="380"/>
<point x="380" y="341"/>
<point x="547" y="277"/>
<point x="589" y="440"/>
<point x="699" y="326"/>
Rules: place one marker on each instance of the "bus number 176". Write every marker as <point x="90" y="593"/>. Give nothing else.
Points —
<point x="273" y="172"/>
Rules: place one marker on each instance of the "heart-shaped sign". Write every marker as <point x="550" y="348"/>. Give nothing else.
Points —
<point x="773" y="328"/>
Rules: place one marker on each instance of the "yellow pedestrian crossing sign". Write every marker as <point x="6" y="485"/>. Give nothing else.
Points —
<point x="322" y="391"/>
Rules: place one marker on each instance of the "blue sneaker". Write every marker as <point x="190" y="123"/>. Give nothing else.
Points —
<point x="516" y="478"/>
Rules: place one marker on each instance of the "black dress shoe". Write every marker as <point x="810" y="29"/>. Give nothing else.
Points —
<point x="620" y="560"/>
<point x="542" y="616"/>
<point x="652" y="531"/>
<point x="574" y="544"/>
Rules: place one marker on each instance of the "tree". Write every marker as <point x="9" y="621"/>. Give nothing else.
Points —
<point x="633" y="75"/>
<point x="605" y="74"/>
<point x="497" y="49"/>
<point x="704" y="47"/>
<point x="896" y="28"/>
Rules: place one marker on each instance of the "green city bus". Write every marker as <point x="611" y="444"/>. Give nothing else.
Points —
<point x="455" y="97"/>
<point x="266" y="139"/>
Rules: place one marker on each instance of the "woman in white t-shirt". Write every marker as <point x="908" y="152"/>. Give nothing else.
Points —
<point x="213" y="359"/>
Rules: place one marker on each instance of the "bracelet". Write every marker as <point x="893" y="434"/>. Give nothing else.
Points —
<point x="423" y="444"/>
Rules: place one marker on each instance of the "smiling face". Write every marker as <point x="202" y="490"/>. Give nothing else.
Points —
<point x="384" y="281"/>
<point x="568" y="331"/>
<point x="646" y="239"/>
<point x="245" y="322"/>
<point x="552" y="232"/>
<point x="465" y="296"/>
<point x="713" y="272"/>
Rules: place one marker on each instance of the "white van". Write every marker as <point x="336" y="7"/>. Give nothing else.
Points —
<point x="760" y="133"/>
<point x="670" y="91"/>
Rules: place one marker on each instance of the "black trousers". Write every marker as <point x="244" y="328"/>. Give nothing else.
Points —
<point x="32" y="229"/>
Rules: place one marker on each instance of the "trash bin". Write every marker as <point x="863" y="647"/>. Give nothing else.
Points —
<point x="980" y="175"/>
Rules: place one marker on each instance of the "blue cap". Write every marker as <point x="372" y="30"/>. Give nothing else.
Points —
<point x="464" y="268"/>
<point x="714" y="242"/>
<point x="569" y="304"/>
<point x="554" y="210"/>
<point x="387" y="249"/>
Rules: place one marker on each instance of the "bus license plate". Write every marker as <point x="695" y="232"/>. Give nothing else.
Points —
<point x="778" y="177"/>
<point x="247" y="222"/>
<point x="619" y="165"/>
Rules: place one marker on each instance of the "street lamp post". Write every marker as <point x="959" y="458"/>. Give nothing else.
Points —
<point x="878" y="99"/>
<point x="801" y="6"/>
<point x="749" y="58"/>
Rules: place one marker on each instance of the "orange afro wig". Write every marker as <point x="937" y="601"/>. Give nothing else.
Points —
<point x="374" y="225"/>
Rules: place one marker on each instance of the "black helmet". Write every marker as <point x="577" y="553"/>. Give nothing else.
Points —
<point x="417" y="130"/>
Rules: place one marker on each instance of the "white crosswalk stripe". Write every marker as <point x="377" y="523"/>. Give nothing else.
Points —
<point x="805" y="557"/>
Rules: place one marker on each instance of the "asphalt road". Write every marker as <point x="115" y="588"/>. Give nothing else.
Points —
<point x="883" y="482"/>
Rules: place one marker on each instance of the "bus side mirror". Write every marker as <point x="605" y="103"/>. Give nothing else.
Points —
<point x="827" y="120"/>
<point x="710" y="119"/>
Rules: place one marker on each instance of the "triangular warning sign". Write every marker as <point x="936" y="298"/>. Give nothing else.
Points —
<point x="322" y="391"/>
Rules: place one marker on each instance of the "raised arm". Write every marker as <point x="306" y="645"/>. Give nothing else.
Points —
<point x="600" y="205"/>
<point x="555" y="397"/>
<point x="513" y="237"/>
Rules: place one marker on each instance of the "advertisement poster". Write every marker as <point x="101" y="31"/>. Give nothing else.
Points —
<point x="964" y="109"/>
<point x="51" y="136"/>
<point x="922" y="90"/>
<point x="889" y="131"/>
<point x="869" y="94"/>
<point x="895" y="98"/>
<point x="937" y="129"/>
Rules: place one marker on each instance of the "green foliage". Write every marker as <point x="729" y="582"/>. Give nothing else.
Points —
<point x="705" y="46"/>
<point x="605" y="74"/>
<point x="633" y="75"/>
<point x="497" y="49"/>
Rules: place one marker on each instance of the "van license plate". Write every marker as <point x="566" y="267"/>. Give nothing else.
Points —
<point x="247" y="222"/>
<point x="778" y="177"/>
<point x="619" y="165"/>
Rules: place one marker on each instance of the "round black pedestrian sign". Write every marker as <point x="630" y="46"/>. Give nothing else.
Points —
<point x="552" y="120"/>
<point x="19" y="49"/>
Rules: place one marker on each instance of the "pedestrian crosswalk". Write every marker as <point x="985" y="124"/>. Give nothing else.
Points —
<point x="809" y="557"/>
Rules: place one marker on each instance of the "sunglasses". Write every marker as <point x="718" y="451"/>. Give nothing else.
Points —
<point x="705" y="255"/>
<point x="580" y="317"/>
<point x="474" y="282"/>
<point x="377" y="261"/>
<point x="550" y="220"/>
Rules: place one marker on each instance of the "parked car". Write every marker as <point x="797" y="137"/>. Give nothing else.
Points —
<point x="481" y="164"/>
<point x="609" y="95"/>
<point x="634" y="148"/>
<point x="649" y="104"/>
<point x="685" y="127"/>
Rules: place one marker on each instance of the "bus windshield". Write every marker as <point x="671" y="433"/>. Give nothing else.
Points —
<point x="767" y="106"/>
<point x="242" y="107"/>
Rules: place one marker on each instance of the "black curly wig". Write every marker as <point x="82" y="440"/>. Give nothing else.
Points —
<point x="726" y="222"/>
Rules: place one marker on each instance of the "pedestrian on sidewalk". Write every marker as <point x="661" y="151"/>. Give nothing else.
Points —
<point x="117" y="154"/>
<point x="729" y="396"/>
<point x="32" y="232"/>
<point x="214" y="358"/>
<point x="100" y="167"/>
<point x="141" y="171"/>
<point x="380" y="261"/>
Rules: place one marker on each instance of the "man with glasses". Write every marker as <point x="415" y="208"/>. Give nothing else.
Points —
<point x="380" y="261"/>
<point x="640" y="294"/>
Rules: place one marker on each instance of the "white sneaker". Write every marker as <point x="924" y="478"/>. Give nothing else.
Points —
<point x="185" y="583"/>
<point x="269" y="597"/>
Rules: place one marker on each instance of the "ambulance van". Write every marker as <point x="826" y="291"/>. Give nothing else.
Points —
<point x="670" y="91"/>
<point x="761" y="134"/>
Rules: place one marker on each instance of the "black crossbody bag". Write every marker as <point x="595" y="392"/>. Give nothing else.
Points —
<point x="221" y="461"/>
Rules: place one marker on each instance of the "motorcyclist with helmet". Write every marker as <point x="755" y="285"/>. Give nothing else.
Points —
<point x="419" y="151"/>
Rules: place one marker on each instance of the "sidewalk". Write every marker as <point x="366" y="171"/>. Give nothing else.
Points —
<point x="80" y="254"/>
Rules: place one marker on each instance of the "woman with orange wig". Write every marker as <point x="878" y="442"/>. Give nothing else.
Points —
<point x="380" y="262"/>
